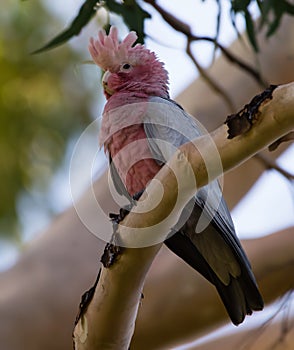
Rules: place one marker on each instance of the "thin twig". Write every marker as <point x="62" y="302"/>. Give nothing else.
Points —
<point x="212" y="83"/>
<point x="185" y="29"/>
<point x="218" y="24"/>
<point x="249" y="342"/>
<point x="285" y="326"/>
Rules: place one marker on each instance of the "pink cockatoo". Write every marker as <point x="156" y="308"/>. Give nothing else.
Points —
<point x="141" y="128"/>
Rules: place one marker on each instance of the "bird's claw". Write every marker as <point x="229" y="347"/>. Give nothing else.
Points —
<point x="112" y="251"/>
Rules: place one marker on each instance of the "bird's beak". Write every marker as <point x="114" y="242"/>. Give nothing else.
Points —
<point x="107" y="91"/>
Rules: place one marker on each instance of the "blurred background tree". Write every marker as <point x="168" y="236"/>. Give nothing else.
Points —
<point x="44" y="103"/>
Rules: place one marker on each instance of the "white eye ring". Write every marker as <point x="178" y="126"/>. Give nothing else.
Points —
<point x="126" y="67"/>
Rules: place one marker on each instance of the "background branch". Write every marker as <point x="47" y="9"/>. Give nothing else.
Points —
<point x="270" y="164"/>
<point x="210" y="81"/>
<point x="270" y="336"/>
<point x="189" y="306"/>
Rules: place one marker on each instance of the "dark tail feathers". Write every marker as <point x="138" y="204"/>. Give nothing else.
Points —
<point x="240" y="297"/>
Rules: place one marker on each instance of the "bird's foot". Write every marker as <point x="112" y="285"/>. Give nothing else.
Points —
<point x="112" y="251"/>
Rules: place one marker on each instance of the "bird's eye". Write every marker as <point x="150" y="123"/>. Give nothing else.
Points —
<point x="126" y="66"/>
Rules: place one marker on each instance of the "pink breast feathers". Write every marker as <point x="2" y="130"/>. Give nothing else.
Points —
<point x="132" y="158"/>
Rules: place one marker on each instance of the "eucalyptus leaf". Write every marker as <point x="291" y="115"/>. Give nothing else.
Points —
<point x="133" y="14"/>
<point x="251" y="30"/>
<point x="279" y="8"/>
<point x="240" y="5"/>
<point x="86" y="12"/>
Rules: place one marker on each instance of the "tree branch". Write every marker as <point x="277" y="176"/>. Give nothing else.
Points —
<point x="210" y="81"/>
<point x="109" y="319"/>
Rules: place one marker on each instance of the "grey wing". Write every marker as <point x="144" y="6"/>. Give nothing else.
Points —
<point x="167" y="127"/>
<point x="217" y="253"/>
<point x="118" y="184"/>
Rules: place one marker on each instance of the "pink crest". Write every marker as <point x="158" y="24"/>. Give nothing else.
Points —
<point x="107" y="52"/>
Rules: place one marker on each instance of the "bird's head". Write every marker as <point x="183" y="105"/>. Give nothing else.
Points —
<point x="128" y="68"/>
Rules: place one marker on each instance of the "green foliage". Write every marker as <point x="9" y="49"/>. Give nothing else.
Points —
<point x="276" y="9"/>
<point x="271" y="13"/>
<point x="131" y="12"/>
<point x="86" y="12"/>
<point x="42" y="104"/>
<point x="133" y="15"/>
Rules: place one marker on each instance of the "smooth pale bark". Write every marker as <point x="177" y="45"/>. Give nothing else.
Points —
<point x="120" y="286"/>
<point x="40" y="294"/>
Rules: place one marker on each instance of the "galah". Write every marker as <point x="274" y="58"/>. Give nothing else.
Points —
<point x="140" y="140"/>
